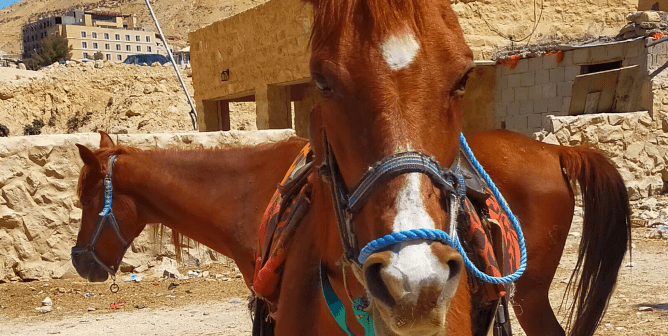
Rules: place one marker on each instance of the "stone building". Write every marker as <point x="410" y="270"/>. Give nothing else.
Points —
<point x="115" y="35"/>
<point x="262" y="55"/>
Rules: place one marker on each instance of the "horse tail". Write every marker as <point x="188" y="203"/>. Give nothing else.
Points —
<point x="606" y="234"/>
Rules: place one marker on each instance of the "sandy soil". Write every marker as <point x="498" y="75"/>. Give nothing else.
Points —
<point x="209" y="307"/>
<point x="18" y="75"/>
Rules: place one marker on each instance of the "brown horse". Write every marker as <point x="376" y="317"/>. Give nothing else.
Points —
<point x="391" y="75"/>
<point x="532" y="180"/>
<point x="215" y="196"/>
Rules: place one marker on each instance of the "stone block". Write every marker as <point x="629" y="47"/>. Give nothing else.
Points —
<point x="517" y="122"/>
<point x="535" y="120"/>
<point x="571" y="72"/>
<point x="528" y="79"/>
<point x="542" y="77"/>
<point x="565" y="89"/>
<point x="615" y="51"/>
<point x="507" y="96"/>
<point x="557" y="75"/>
<point x="500" y="110"/>
<point x="522" y="66"/>
<point x="580" y="55"/>
<point x="513" y="108"/>
<point x="536" y="92"/>
<point x="608" y="133"/>
<point x="566" y="105"/>
<point x="521" y="93"/>
<point x="526" y="107"/>
<point x="514" y="80"/>
<point x="598" y="54"/>
<point x="550" y="61"/>
<point x="568" y="59"/>
<point x="535" y="64"/>
<point x="550" y="90"/>
<point x="17" y="196"/>
<point x="502" y="83"/>
<point x="554" y="104"/>
<point x="540" y="105"/>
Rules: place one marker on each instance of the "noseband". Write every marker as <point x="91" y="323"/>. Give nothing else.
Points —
<point x="105" y="216"/>
<point x="449" y="180"/>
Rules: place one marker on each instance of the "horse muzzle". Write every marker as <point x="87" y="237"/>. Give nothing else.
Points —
<point x="88" y="268"/>
<point x="412" y="285"/>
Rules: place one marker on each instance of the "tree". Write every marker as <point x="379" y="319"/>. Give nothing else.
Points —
<point x="98" y="56"/>
<point x="55" y="48"/>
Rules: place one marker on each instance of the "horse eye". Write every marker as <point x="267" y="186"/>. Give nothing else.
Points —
<point x="461" y="86"/>
<point x="322" y="85"/>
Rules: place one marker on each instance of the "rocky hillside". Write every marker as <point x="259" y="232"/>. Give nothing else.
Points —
<point x="176" y="18"/>
<point x="115" y="97"/>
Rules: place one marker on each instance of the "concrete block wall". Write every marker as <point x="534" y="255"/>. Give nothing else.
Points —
<point x="541" y="86"/>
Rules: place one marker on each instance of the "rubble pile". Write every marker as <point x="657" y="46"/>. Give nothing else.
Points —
<point x="105" y="95"/>
<point x="644" y="24"/>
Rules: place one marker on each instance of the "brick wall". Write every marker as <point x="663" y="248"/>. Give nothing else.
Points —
<point x="541" y="86"/>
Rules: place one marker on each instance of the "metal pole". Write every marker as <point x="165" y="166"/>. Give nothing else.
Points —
<point x="193" y="113"/>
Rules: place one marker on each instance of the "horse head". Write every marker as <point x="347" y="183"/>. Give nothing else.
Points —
<point x="392" y="76"/>
<point x="102" y="239"/>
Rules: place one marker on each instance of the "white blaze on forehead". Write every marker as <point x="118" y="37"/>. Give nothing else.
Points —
<point x="400" y="50"/>
<point x="413" y="262"/>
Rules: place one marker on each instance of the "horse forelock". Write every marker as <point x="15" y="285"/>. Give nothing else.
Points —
<point x="102" y="154"/>
<point x="384" y="17"/>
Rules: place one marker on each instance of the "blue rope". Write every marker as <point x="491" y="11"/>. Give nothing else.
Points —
<point x="108" y="188"/>
<point x="442" y="236"/>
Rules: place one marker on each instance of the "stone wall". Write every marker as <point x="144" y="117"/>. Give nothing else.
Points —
<point x="634" y="142"/>
<point x="541" y="86"/>
<point x="39" y="211"/>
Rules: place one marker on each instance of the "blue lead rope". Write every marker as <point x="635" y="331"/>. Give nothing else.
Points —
<point x="443" y="237"/>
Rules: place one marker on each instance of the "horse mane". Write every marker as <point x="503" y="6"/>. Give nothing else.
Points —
<point x="102" y="154"/>
<point x="385" y="16"/>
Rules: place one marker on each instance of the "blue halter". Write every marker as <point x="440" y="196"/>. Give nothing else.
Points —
<point x="106" y="216"/>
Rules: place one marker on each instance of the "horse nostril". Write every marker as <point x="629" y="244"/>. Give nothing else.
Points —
<point x="455" y="267"/>
<point x="376" y="286"/>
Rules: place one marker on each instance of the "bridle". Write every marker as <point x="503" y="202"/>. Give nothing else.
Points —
<point x="348" y="202"/>
<point x="105" y="216"/>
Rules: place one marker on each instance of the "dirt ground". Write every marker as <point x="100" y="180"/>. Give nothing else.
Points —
<point x="212" y="307"/>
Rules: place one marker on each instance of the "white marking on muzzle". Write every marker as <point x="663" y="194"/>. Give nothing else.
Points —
<point x="414" y="262"/>
<point x="399" y="51"/>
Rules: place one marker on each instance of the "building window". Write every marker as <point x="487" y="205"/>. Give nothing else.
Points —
<point x="127" y="48"/>
<point x="118" y="37"/>
<point x="106" y="36"/>
<point x="94" y="45"/>
<point x="108" y="57"/>
<point x="148" y="39"/>
<point x="83" y="34"/>
<point x="138" y="38"/>
<point x="127" y="37"/>
<point x="139" y="48"/>
<point x="85" y="55"/>
<point x="106" y="46"/>
<point x="84" y="45"/>
<point x="119" y="57"/>
<point x="148" y="49"/>
<point x="118" y="47"/>
<point x="94" y="34"/>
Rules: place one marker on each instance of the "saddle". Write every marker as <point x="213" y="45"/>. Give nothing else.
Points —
<point x="489" y="238"/>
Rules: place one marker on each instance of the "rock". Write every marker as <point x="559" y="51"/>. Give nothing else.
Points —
<point x="654" y="234"/>
<point x="47" y="301"/>
<point x="551" y="139"/>
<point x="44" y="309"/>
<point x="134" y="110"/>
<point x="648" y="204"/>
<point x="155" y="64"/>
<point x="99" y="64"/>
<point x="22" y="66"/>
<point x="128" y="265"/>
<point x="17" y="196"/>
<point x="645" y="309"/>
<point x="118" y="130"/>
<point x="633" y="151"/>
<point x="205" y="274"/>
<point x="141" y="269"/>
<point x="607" y="133"/>
<point x="10" y="220"/>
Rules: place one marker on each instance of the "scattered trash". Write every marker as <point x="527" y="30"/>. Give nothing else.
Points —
<point x="205" y="274"/>
<point x="173" y="275"/>
<point x="644" y="309"/>
<point x="170" y="296"/>
<point x="132" y="277"/>
<point x="235" y="301"/>
<point x="172" y="286"/>
<point x="61" y="289"/>
<point x="238" y="276"/>
<point x="188" y="291"/>
<point x="140" y="306"/>
<point x="194" y="274"/>
<point x="89" y="295"/>
<point x="91" y="309"/>
<point x="118" y="305"/>
<point x="45" y="285"/>
<point x="47" y="306"/>
<point x="155" y="284"/>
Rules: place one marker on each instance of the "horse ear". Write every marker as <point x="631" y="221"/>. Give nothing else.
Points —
<point x="105" y="140"/>
<point x="89" y="159"/>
